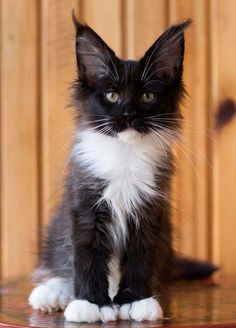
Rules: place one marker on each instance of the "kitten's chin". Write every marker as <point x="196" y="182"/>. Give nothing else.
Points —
<point x="129" y="135"/>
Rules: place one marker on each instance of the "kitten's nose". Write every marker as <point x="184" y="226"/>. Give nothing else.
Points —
<point x="129" y="116"/>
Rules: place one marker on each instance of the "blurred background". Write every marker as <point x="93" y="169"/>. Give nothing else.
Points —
<point x="37" y="65"/>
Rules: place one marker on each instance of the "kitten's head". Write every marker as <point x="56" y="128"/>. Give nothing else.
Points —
<point x="114" y="95"/>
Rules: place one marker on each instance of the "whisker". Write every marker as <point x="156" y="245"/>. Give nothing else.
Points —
<point x="184" y="152"/>
<point x="105" y="120"/>
<point x="185" y="122"/>
<point x="159" y="142"/>
<point x="95" y="121"/>
<point x="173" y="135"/>
<point x="192" y="149"/>
<point x="106" y="130"/>
<point x="99" y="126"/>
<point x="184" y="143"/>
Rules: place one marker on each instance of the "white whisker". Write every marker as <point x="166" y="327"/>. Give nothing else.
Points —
<point x="95" y="121"/>
<point x="168" y="137"/>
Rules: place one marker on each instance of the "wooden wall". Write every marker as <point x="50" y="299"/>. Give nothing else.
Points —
<point x="37" y="65"/>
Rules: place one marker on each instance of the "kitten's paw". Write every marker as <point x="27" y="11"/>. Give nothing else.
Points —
<point x="82" y="311"/>
<point x="124" y="311"/>
<point x="109" y="313"/>
<point x="53" y="295"/>
<point x="146" y="309"/>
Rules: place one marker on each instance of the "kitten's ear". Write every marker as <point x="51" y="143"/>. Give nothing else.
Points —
<point x="94" y="58"/>
<point x="164" y="59"/>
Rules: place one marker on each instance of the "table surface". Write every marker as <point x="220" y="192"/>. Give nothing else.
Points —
<point x="190" y="304"/>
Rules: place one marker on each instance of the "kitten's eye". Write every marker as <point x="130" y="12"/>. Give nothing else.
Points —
<point x="148" y="97"/>
<point x="111" y="96"/>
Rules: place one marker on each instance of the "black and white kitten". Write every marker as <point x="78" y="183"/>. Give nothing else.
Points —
<point x="111" y="234"/>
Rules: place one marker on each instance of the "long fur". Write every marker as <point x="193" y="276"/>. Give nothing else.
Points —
<point x="110" y="237"/>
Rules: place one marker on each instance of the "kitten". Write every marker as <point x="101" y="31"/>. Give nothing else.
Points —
<point x="111" y="234"/>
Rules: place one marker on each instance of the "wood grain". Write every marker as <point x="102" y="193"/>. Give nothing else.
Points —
<point x="192" y="196"/>
<point x="58" y="70"/>
<point x="106" y="18"/>
<point x="223" y="49"/>
<point x="140" y="30"/>
<point x="19" y="136"/>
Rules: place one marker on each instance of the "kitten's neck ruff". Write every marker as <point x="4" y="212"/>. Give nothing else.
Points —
<point x="107" y="157"/>
<point x="128" y="164"/>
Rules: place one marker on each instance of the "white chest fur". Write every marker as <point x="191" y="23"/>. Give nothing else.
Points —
<point x="128" y="163"/>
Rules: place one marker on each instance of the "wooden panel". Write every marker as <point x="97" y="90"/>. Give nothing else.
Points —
<point x="106" y="18"/>
<point x="223" y="49"/>
<point x="144" y="21"/>
<point x="19" y="135"/>
<point x="193" y="163"/>
<point x="57" y="72"/>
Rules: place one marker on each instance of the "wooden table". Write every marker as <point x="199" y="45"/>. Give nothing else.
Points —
<point x="190" y="304"/>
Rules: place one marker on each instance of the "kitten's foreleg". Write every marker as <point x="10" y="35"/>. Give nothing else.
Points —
<point x="91" y="256"/>
<point x="135" y="290"/>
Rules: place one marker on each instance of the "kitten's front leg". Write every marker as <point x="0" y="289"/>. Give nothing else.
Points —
<point x="135" y="290"/>
<point x="91" y="256"/>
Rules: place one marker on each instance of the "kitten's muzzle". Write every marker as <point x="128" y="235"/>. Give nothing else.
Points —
<point x="130" y="118"/>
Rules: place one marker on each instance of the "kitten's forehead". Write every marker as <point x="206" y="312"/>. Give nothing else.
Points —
<point x="128" y="71"/>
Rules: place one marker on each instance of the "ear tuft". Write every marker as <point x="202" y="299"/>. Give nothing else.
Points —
<point x="74" y="19"/>
<point x="79" y="27"/>
<point x="164" y="59"/>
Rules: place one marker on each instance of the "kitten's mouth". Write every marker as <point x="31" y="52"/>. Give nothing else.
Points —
<point x="131" y="124"/>
<point x="136" y="126"/>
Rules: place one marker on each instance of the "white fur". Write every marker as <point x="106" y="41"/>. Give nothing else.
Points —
<point x="84" y="311"/>
<point x="114" y="277"/>
<point x="128" y="163"/>
<point x="146" y="309"/>
<point x="53" y="295"/>
<point x="109" y="313"/>
<point x="124" y="311"/>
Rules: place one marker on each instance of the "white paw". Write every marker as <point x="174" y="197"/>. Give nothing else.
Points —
<point x="109" y="313"/>
<point x="53" y="295"/>
<point x="124" y="311"/>
<point x="84" y="311"/>
<point x="146" y="309"/>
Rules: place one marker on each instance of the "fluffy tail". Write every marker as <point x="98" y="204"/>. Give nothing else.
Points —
<point x="185" y="268"/>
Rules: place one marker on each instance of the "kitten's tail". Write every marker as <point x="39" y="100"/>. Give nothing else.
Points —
<point x="185" y="268"/>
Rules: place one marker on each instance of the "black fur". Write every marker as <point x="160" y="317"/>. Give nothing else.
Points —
<point x="79" y="244"/>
